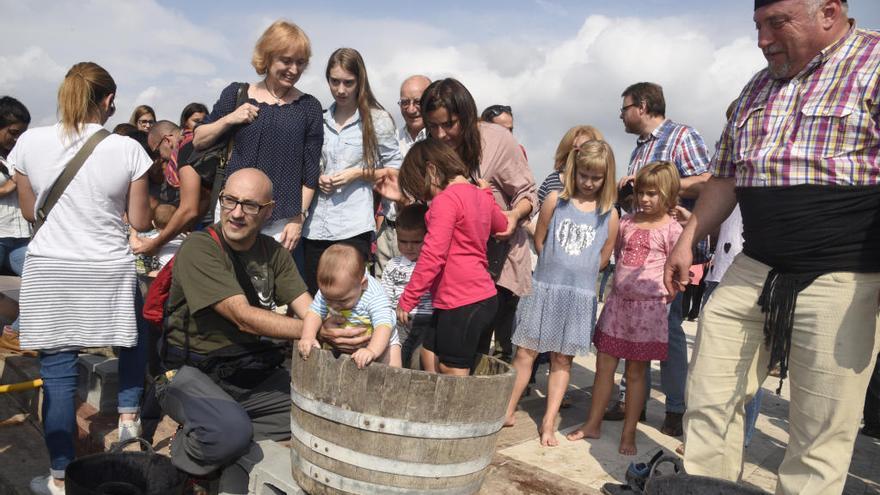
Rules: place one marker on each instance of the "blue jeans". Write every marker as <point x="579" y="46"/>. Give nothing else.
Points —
<point x="59" y="372"/>
<point x="673" y="371"/>
<point x="133" y="363"/>
<point x="12" y="252"/>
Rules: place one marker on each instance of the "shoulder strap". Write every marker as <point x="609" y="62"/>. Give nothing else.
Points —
<point x="67" y="176"/>
<point x="241" y="274"/>
<point x="220" y="173"/>
<point x="168" y="311"/>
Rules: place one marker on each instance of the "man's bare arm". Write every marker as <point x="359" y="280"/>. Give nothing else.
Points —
<point x="258" y="321"/>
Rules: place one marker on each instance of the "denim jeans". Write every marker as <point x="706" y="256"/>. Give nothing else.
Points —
<point x="673" y="371"/>
<point x="59" y="373"/>
<point x="133" y="363"/>
<point x="12" y="252"/>
<point x="753" y="407"/>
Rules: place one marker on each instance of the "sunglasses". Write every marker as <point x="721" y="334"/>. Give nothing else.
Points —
<point x="496" y="110"/>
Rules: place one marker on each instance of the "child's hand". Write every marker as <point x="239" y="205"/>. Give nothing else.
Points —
<point x="402" y="316"/>
<point x="363" y="357"/>
<point x="305" y="347"/>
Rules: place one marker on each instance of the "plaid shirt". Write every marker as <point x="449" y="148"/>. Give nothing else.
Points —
<point x="677" y="143"/>
<point x="820" y="127"/>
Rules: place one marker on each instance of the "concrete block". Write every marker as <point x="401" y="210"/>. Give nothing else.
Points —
<point x="98" y="383"/>
<point x="272" y="475"/>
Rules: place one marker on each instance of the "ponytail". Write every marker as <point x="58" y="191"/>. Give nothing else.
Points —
<point x="84" y="86"/>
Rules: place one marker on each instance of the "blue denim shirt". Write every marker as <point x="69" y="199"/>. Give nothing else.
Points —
<point x="348" y="211"/>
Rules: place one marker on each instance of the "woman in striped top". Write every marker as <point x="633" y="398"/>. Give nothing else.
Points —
<point x="78" y="287"/>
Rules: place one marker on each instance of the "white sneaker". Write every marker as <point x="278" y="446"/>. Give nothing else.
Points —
<point x="129" y="429"/>
<point x="43" y="485"/>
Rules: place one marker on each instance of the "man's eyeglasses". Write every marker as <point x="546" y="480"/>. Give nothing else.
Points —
<point x="623" y="108"/>
<point x="405" y="102"/>
<point x="247" y="207"/>
<point x="156" y="149"/>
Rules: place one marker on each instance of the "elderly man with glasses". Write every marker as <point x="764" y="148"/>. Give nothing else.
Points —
<point x="412" y="131"/>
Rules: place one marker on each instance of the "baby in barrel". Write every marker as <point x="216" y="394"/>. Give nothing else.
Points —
<point x="351" y="297"/>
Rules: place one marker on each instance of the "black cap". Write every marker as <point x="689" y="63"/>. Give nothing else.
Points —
<point x="762" y="3"/>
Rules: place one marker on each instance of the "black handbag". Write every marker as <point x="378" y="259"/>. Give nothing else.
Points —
<point x="496" y="255"/>
<point x="216" y="158"/>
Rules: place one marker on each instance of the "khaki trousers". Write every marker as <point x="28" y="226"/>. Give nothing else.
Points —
<point x="834" y="345"/>
<point x="386" y="248"/>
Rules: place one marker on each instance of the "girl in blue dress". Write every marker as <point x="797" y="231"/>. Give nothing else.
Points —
<point x="574" y="239"/>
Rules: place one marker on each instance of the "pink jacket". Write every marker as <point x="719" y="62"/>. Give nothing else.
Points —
<point x="452" y="264"/>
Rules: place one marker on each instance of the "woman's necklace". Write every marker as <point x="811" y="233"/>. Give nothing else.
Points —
<point x="278" y="99"/>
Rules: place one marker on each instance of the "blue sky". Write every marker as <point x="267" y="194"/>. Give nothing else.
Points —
<point x="558" y="63"/>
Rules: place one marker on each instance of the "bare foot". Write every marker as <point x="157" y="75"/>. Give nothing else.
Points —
<point x="509" y="421"/>
<point x="584" y="432"/>
<point x="548" y="436"/>
<point x="627" y="444"/>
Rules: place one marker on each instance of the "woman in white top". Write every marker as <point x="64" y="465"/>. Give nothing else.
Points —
<point x="79" y="276"/>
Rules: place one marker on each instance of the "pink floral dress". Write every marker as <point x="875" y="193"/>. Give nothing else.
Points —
<point x="633" y="323"/>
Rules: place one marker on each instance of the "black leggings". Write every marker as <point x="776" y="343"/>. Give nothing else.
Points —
<point x="313" y="249"/>
<point x="455" y="336"/>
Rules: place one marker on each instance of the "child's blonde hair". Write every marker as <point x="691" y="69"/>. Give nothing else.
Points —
<point x="340" y="263"/>
<point x="662" y="175"/>
<point x="593" y="156"/>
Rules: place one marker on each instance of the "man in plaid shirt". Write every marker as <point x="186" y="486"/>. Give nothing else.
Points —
<point x="800" y="153"/>
<point x="644" y="114"/>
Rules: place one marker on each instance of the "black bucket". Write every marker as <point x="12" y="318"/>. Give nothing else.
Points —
<point x="689" y="484"/>
<point x="124" y="473"/>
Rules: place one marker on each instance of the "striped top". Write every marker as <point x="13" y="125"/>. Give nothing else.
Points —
<point x="677" y="143"/>
<point x="372" y="310"/>
<point x="820" y="127"/>
<point x="550" y="184"/>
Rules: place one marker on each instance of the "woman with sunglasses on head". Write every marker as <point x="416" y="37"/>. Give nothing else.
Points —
<point x="277" y="129"/>
<point x="360" y="147"/>
<point x="78" y="288"/>
<point x="143" y="117"/>
<point x="493" y="155"/>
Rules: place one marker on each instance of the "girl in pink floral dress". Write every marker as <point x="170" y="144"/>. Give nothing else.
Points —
<point x="633" y="324"/>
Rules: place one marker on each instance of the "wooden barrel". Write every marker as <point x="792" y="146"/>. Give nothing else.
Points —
<point x="392" y="431"/>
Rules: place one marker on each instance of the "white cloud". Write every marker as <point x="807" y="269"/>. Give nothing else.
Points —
<point x="32" y="63"/>
<point x="160" y="57"/>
